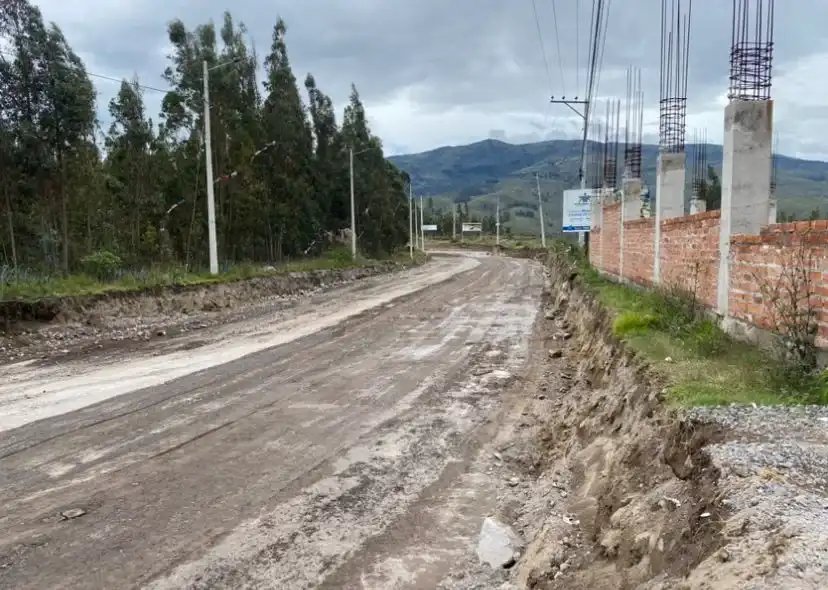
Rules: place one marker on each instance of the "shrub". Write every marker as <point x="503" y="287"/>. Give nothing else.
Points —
<point x="676" y="310"/>
<point x="102" y="265"/>
<point x="340" y="256"/>
<point x="631" y="322"/>
<point x="707" y="339"/>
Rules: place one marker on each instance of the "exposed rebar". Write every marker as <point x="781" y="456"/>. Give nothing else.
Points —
<point x="751" y="50"/>
<point x="633" y="125"/>
<point x="699" y="178"/>
<point x="675" y="51"/>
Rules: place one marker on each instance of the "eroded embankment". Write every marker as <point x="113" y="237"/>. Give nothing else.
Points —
<point x="643" y="505"/>
<point x="60" y="327"/>
<point x="176" y="298"/>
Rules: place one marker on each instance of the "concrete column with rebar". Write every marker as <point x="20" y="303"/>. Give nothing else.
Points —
<point x="747" y="162"/>
<point x="670" y="179"/>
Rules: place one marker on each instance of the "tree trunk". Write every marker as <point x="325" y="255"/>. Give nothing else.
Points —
<point x="64" y="212"/>
<point x="11" y="226"/>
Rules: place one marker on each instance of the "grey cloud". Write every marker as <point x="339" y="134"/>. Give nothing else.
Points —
<point x="481" y="54"/>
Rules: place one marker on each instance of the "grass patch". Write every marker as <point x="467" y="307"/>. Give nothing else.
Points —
<point x="702" y="364"/>
<point x="29" y="287"/>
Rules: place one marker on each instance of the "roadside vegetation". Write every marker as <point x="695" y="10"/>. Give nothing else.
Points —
<point x="702" y="364"/>
<point x="104" y="274"/>
<point x="129" y="192"/>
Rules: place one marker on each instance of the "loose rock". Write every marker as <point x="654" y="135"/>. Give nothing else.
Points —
<point x="499" y="545"/>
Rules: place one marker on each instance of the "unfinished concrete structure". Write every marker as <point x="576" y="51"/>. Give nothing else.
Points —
<point x="747" y="159"/>
<point x="671" y="168"/>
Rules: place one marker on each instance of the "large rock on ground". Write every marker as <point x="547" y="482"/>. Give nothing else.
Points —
<point x="499" y="545"/>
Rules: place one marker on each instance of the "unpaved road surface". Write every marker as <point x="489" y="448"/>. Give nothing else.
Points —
<point x="327" y="449"/>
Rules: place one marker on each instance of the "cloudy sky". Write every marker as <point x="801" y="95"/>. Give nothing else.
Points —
<point x="437" y="72"/>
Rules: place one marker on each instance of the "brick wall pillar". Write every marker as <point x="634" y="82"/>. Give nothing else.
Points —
<point x="670" y="177"/>
<point x="747" y="161"/>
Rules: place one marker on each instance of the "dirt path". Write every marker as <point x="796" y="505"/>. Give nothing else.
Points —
<point x="311" y="452"/>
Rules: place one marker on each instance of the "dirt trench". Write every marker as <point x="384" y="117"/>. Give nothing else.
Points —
<point x="641" y="504"/>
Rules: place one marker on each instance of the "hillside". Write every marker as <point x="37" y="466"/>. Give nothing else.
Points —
<point x="481" y="171"/>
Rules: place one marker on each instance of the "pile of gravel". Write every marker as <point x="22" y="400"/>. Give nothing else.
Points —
<point x="774" y="463"/>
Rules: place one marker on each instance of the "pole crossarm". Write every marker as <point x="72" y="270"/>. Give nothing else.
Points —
<point x="569" y="103"/>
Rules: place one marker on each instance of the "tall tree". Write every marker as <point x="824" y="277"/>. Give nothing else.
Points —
<point x="287" y="168"/>
<point x="138" y="195"/>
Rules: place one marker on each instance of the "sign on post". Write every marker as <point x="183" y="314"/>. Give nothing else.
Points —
<point x="577" y="210"/>
<point x="472" y="227"/>
<point x="430" y="227"/>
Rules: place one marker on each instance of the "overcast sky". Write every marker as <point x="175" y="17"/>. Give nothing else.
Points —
<point x="438" y="72"/>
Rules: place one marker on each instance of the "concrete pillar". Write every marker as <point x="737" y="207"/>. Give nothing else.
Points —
<point x="632" y="198"/>
<point x="773" y="210"/>
<point x="646" y="210"/>
<point x="596" y="205"/>
<point x="747" y="162"/>
<point x="670" y="177"/>
<point x="697" y="206"/>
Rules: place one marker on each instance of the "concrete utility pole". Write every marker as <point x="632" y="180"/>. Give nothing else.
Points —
<point x="422" y="223"/>
<point x="208" y="155"/>
<point x="454" y="222"/>
<point x="497" y="222"/>
<point x="410" y="222"/>
<point x="540" y="211"/>
<point x="353" y="207"/>
<point x="585" y="117"/>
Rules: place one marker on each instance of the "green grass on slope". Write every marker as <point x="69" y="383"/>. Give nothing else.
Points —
<point x="32" y="288"/>
<point x="703" y="365"/>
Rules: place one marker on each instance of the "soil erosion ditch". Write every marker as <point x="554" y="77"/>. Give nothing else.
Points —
<point x="642" y="506"/>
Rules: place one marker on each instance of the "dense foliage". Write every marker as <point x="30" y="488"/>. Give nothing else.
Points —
<point x="74" y="195"/>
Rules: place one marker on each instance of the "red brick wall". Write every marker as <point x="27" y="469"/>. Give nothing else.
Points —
<point x="595" y="247"/>
<point x="690" y="254"/>
<point x="760" y="266"/>
<point x="611" y="229"/>
<point x="639" y="246"/>
<point x="764" y="268"/>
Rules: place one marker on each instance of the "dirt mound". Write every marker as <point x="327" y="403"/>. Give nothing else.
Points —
<point x="60" y="328"/>
<point x="14" y="315"/>
<point x="642" y="505"/>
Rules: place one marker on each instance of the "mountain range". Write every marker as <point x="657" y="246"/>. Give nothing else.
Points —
<point x="481" y="172"/>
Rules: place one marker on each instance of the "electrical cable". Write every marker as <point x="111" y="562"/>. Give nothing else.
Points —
<point x="102" y="76"/>
<point x="558" y="45"/>
<point x="542" y="46"/>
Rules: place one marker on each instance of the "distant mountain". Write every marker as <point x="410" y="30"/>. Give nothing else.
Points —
<point x="479" y="172"/>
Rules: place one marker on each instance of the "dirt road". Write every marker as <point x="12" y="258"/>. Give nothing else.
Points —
<point x="310" y="450"/>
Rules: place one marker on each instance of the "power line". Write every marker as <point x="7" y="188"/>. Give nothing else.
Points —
<point x="577" y="44"/>
<point x="558" y="44"/>
<point x="542" y="46"/>
<point x="102" y="76"/>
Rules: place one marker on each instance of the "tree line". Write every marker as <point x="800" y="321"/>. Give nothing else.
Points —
<point x="136" y="190"/>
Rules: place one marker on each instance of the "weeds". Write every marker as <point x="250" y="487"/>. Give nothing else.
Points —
<point x="788" y="297"/>
<point x="102" y="274"/>
<point x="703" y="365"/>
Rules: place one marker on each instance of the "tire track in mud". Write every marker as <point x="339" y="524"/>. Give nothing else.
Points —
<point x="348" y="392"/>
<point x="300" y="542"/>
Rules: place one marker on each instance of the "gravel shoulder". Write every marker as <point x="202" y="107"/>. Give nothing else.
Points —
<point x="774" y="466"/>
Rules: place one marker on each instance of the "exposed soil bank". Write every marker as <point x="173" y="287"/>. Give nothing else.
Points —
<point x="176" y="298"/>
<point x="610" y="489"/>
<point x="641" y="499"/>
<point x="63" y="324"/>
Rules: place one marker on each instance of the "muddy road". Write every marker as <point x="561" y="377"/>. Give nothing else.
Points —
<point x="327" y="448"/>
